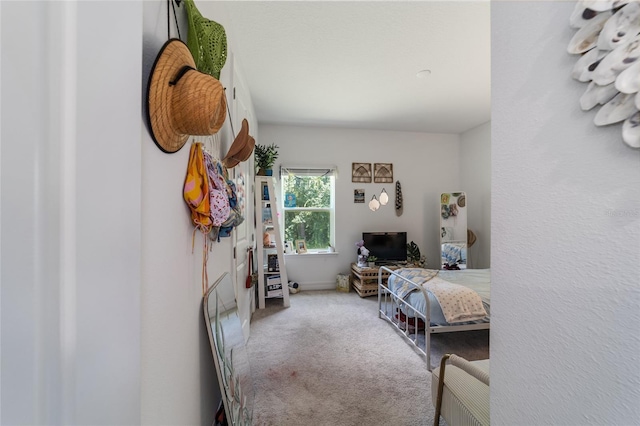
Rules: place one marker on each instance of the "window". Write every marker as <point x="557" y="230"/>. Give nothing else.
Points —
<point x="309" y="206"/>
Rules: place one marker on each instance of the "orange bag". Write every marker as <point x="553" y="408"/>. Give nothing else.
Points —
<point x="196" y="189"/>
<point x="196" y="195"/>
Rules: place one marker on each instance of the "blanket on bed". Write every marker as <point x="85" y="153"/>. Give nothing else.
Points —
<point x="458" y="303"/>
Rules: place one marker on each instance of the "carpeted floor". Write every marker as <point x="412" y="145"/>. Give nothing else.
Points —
<point x="329" y="360"/>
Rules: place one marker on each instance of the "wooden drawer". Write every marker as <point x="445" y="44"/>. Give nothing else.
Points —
<point x="365" y="280"/>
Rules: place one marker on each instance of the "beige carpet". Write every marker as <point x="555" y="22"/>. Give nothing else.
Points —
<point x="329" y="360"/>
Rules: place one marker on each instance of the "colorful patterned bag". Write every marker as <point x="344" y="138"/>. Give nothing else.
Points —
<point x="218" y="196"/>
<point x="235" y="215"/>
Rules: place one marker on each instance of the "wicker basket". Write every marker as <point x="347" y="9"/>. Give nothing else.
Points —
<point x="342" y="283"/>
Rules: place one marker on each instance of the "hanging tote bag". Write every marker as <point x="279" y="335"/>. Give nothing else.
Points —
<point x="196" y="189"/>
<point x="196" y="195"/>
<point x="252" y="278"/>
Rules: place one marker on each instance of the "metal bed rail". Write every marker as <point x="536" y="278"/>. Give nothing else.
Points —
<point x="390" y="307"/>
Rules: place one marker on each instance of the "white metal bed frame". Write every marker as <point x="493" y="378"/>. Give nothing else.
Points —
<point x="389" y="303"/>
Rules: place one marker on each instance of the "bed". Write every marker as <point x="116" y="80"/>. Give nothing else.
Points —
<point x="402" y="302"/>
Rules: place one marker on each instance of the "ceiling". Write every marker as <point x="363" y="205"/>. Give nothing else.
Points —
<point x="354" y="64"/>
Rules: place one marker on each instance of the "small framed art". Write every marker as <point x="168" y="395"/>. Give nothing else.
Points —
<point x="358" y="195"/>
<point x="361" y="172"/>
<point x="301" y="246"/>
<point x="383" y="173"/>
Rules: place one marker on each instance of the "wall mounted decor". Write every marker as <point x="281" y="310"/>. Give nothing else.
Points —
<point x="241" y="148"/>
<point x="383" y="173"/>
<point x="608" y="41"/>
<point x="207" y="41"/>
<point x="361" y="172"/>
<point x="180" y="100"/>
<point x="384" y="197"/>
<point x="374" y="204"/>
<point x="398" y="199"/>
<point x="358" y="196"/>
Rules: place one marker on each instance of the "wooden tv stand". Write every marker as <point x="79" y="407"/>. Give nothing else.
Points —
<point x="365" y="280"/>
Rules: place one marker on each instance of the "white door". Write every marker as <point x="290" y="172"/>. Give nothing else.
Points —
<point x="243" y="235"/>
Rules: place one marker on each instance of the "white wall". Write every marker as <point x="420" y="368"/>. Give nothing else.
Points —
<point x="178" y="376"/>
<point x="101" y="295"/>
<point x="475" y="180"/>
<point x="425" y="165"/>
<point x="70" y="217"/>
<point x="565" y="236"/>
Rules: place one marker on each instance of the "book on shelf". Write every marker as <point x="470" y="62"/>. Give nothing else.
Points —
<point x="266" y="216"/>
<point x="272" y="263"/>
<point x="274" y="280"/>
<point x="274" y="286"/>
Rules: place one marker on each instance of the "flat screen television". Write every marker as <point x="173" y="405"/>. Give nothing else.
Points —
<point x="388" y="247"/>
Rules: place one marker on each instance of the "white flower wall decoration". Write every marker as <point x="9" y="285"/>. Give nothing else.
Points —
<point x="608" y="40"/>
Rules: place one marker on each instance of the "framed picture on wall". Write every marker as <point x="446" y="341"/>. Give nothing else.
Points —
<point x="358" y="195"/>
<point x="383" y="173"/>
<point x="361" y="172"/>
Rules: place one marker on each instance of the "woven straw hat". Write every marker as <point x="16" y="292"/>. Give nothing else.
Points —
<point x="241" y="148"/>
<point x="207" y="41"/>
<point x="180" y="100"/>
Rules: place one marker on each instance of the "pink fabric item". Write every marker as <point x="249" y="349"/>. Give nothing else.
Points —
<point x="219" y="201"/>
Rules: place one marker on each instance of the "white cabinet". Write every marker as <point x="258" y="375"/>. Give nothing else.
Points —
<point x="272" y="271"/>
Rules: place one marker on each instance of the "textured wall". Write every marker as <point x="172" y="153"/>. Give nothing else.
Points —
<point x="565" y="236"/>
<point x="475" y="180"/>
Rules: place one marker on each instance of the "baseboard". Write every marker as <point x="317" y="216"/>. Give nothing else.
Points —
<point x="331" y="285"/>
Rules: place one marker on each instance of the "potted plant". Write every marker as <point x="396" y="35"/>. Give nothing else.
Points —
<point x="372" y="261"/>
<point x="265" y="156"/>
<point x="414" y="257"/>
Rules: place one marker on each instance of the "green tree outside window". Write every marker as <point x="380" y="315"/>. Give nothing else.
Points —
<point x="311" y="218"/>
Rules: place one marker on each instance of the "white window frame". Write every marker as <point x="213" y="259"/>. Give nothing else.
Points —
<point x="332" y="171"/>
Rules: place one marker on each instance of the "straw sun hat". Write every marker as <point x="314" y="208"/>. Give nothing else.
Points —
<point x="471" y="237"/>
<point x="241" y="148"/>
<point x="182" y="101"/>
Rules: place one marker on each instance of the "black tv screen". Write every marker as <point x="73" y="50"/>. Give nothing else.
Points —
<point x="386" y="246"/>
